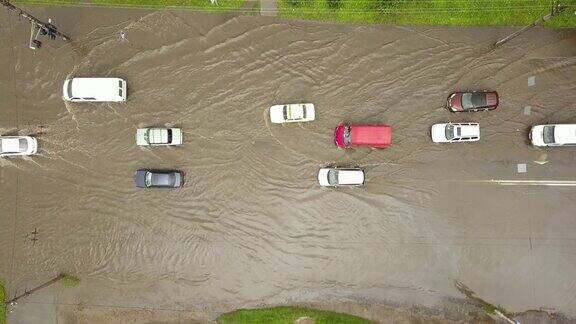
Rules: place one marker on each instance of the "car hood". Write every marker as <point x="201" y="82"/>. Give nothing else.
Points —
<point x="32" y="145"/>
<point x="277" y="114"/>
<point x="455" y="101"/>
<point x="141" y="136"/>
<point x="178" y="179"/>
<point x="439" y="133"/>
<point x="140" y="178"/>
<point x="339" y="136"/>
<point x="65" y="90"/>
<point x="537" y="135"/>
<point x="323" y="177"/>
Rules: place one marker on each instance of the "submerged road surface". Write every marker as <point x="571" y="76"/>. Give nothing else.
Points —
<point x="251" y="225"/>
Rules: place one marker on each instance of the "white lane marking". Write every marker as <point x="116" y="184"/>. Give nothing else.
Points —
<point x="552" y="183"/>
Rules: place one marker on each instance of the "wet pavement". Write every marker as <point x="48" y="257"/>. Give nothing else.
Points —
<point x="251" y="226"/>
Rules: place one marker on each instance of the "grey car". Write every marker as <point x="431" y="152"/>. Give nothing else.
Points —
<point x="158" y="178"/>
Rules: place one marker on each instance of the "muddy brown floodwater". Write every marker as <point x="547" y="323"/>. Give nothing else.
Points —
<point x="251" y="226"/>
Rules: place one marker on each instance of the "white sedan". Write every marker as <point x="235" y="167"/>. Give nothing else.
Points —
<point x="18" y="145"/>
<point x="158" y="136"/>
<point x="336" y="177"/>
<point x="455" y="132"/>
<point x="292" y="113"/>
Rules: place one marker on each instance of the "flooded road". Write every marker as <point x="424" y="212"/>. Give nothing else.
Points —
<point x="251" y="226"/>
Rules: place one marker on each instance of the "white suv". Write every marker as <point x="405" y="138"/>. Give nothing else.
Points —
<point x="18" y="145"/>
<point x="455" y="132"/>
<point x="553" y="135"/>
<point x="336" y="177"/>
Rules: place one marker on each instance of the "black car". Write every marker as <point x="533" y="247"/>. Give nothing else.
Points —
<point x="158" y="178"/>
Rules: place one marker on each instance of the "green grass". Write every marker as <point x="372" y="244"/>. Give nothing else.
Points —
<point x="287" y="315"/>
<point x="429" y="12"/>
<point x="203" y="5"/>
<point x="397" y="12"/>
<point x="3" y="306"/>
<point x="69" y="280"/>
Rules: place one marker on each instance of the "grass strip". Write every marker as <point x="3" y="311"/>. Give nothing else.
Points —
<point x="429" y="12"/>
<point x="396" y="12"/>
<point x="287" y="315"/>
<point x="3" y="306"/>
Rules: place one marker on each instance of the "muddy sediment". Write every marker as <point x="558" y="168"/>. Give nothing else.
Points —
<point x="251" y="226"/>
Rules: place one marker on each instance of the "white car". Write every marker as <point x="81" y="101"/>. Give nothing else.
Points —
<point x="336" y="177"/>
<point x="94" y="89"/>
<point x="455" y="132"/>
<point x="292" y="113"/>
<point x="553" y="135"/>
<point x="18" y="145"/>
<point x="158" y="136"/>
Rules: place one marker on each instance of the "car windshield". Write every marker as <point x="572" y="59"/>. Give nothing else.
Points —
<point x="169" y="136"/>
<point x="450" y="132"/>
<point x="347" y="136"/>
<point x="285" y="112"/>
<point x="23" y="145"/>
<point x="467" y="101"/>
<point x="548" y="135"/>
<point x="333" y="177"/>
<point x="148" y="179"/>
<point x="69" y="88"/>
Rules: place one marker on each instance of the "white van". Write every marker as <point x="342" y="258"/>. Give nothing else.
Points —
<point x="94" y="89"/>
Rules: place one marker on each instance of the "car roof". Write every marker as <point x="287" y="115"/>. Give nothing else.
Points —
<point x="371" y="134"/>
<point x="565" y="134"/>
<point x="348" y="176"/>
<point x="10" y="144"/>
<point x="162" y="179"/>
<point x="99" y="88"/>
<point x="469" y="130"/>
<point x="158" y="135"/>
